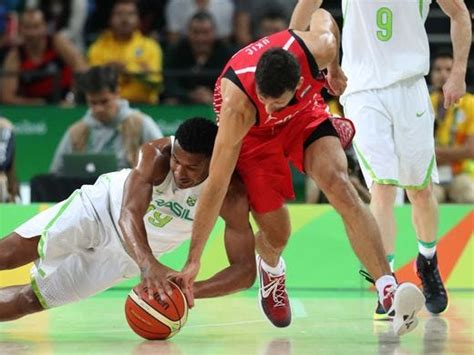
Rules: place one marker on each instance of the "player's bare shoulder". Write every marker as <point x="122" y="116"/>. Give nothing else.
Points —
<point x="234" y="100"/>
<point x="154" y="159"/>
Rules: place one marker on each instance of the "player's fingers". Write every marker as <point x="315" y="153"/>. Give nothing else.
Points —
<point x="149" y="289"/>
<point x="161" y="291"/>
<point x="167" y="288"/>
<point x="188" y="293"/>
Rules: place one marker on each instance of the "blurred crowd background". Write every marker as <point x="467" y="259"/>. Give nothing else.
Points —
<point x="149" y="53"/>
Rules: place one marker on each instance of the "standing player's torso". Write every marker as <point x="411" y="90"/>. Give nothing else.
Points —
<point x="383" y="42"/>
<point x="241" y="71"/>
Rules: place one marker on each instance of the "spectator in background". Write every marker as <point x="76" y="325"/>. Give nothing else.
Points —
<point x="8" y="182"/>
<point x="137" y="58"/>
<point x="152" y="14"/>
<point x="200" y="57"/>
<point x="249" y="12"/>
<point x="179" y="13"/>
<point x="40" y="70"/>
<point x="65" y="17"/>
<point x="271" y="22"/>
<point x="454" y="137"/>
<point x="109" y="126"/>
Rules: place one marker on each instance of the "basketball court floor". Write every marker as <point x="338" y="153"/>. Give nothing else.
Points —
<point x="324" y="322"/>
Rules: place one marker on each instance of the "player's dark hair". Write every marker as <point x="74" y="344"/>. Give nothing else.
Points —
<point x="98" y="78"/>
<point x="197" y="135"/>
<point x="277" y="71"/>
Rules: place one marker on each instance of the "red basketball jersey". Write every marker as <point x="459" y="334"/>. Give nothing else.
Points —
<point x="241" y="71"/>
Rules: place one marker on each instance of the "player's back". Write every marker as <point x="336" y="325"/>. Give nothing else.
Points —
<point x="383" y="42"/>
<point x="241" y="71"/>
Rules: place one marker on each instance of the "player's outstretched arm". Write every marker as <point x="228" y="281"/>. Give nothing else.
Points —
<point x="152" y="165"/>
<point x="302" y="13"/>
<point x="234" y="123"/>
<point x="239" y="245"/>
<point x="461" y="36"/>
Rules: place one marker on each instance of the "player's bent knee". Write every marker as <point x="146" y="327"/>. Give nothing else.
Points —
<point x="335" y="182"/>
<point x="420" y="196"/>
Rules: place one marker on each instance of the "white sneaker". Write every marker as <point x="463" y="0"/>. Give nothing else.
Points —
<point x="408" y="300"/>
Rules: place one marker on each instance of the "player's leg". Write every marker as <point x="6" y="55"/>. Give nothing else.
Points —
<point x="326" y="163"/>
<point x="375" y="148"/>
<point x="267" y="179"/>
<point x="414" y="139"/>
<point x="424" y="214"/>
<point x="381" y="205"/>
<point x="273" y="234"/>
<point x="16" y="251"/>
<point x="18" y="301"/>
<point x="425" y="221"/>
<point x="271" y="239"/>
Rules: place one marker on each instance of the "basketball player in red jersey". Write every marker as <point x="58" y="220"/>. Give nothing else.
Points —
<point x="270" y="112"/>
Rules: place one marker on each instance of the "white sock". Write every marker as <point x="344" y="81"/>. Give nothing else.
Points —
<point x="427" y="251"/>
<point x="383" y="282"/>
<point x="278" y="270"/>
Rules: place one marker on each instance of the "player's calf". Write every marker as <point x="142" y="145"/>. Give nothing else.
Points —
<point x="17" y="302"/>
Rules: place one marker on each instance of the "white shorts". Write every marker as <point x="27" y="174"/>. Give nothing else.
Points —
<point x="394" y="138"/>
<point x="80" y="250"/>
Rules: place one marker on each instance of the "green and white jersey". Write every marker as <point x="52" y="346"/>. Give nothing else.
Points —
<point x="169" y="218"/>
<point x="383" y="42"/>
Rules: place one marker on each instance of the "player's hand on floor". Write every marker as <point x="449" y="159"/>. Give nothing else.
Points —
<point x="337" y="81"/>
<point x="453" y="89"/>
<point x="186" y="278"/>
<point x="155" y="278"/>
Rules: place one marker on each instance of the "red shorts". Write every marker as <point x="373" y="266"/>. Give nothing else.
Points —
<point x="266" y="153"/>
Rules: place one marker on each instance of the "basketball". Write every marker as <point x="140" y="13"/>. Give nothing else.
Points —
<point x="154" y="319"/>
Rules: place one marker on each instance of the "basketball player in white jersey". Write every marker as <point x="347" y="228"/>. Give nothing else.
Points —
<point x="385" y="58"/>
<point x="118" y="227"/>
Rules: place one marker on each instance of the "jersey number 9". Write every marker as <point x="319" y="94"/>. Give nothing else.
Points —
<point x="384" y="23"/>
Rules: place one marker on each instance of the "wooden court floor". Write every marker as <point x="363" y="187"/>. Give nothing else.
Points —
<point x="323" y="323"/>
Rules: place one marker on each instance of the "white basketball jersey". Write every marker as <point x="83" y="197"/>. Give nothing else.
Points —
<point x="169" y="218"/>
<point x="383" y="42"/>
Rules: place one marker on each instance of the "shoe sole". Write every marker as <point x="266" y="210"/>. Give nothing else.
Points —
<point x="408" y="301"/>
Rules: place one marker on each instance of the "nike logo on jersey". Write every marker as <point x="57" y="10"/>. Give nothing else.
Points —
<point x="269" y="288"/>
<point x="420" y="114"/>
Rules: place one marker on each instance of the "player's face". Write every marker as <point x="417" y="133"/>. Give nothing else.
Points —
<point x="103" y="104"/>
<point x="440" y="72"/>
<point x="188" y="169"/>
<point x="273" y="104"/>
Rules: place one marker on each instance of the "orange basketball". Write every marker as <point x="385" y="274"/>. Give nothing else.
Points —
<point x="155" y="319"/>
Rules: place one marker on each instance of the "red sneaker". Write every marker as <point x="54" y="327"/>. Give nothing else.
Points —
<point x="273" y="297"/>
